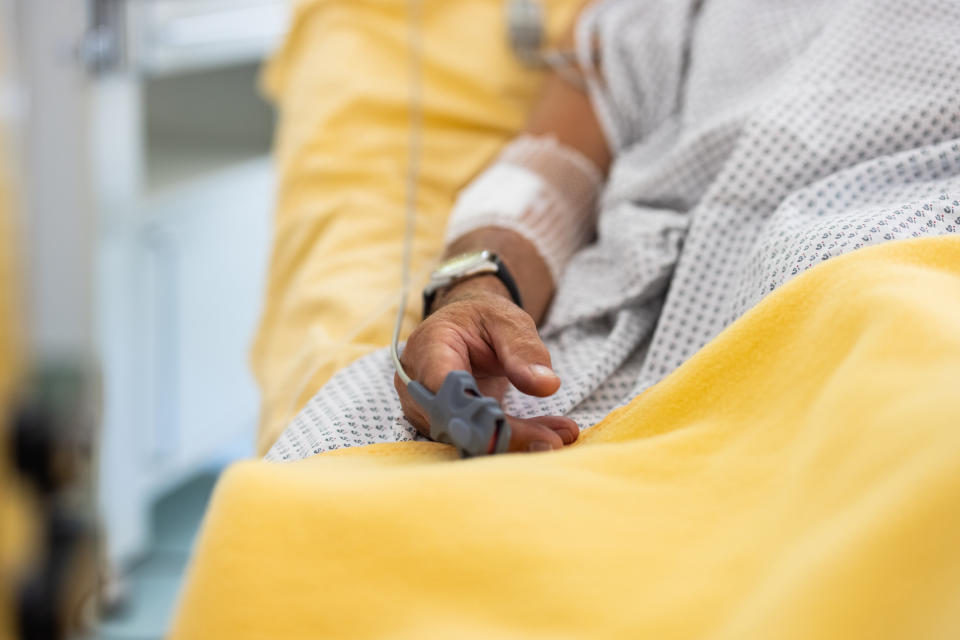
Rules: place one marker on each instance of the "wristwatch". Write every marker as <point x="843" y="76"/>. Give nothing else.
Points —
<point x="466" y="266"/>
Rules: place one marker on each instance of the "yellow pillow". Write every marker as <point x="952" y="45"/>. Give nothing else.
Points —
<point x="341" y="85"/>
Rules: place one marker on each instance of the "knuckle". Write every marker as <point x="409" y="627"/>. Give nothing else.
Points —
<point x="529" y="344"/>
<point x="413" y="416"/>
<point x="507" y="316"/>
<point x="520" y="319"/>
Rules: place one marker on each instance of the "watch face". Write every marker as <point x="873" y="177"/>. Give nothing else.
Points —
<point x="458" y="264"/>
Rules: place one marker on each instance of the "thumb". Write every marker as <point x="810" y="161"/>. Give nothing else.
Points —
<point x="522" y="354"/>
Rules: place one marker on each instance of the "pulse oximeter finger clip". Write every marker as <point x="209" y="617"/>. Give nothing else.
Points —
<point x="459" y="415"/>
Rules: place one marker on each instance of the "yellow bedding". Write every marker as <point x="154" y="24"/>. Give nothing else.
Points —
<point x="341" y="84"/>
<point x="797" y="478"/>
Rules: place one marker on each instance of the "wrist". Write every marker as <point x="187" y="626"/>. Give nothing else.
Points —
<point x="471" y="288"/>
<point x="529" y="271"/>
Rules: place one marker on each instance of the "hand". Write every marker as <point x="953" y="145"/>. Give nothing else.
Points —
<point x="477" y="328"/>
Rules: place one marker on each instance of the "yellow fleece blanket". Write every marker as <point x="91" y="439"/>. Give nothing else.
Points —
<point x="798" y="478"/>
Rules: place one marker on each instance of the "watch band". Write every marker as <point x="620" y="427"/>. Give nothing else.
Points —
<point x="502" y="273"/>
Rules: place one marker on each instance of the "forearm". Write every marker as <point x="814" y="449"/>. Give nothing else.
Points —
<point x="564" y="113"/>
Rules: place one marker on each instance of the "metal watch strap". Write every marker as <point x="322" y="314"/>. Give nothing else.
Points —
<point x="502" y="273"/>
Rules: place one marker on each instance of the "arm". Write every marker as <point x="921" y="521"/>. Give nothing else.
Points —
<point x="564" y="112"/>
<point x="476" y="327"/>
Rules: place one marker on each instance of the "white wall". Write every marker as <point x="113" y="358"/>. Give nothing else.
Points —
<point x="59" y="224"/>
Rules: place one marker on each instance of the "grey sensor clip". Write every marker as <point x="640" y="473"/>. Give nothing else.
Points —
<point x="459" y="415"/>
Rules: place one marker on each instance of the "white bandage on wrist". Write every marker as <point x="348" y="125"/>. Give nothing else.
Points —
<point x="538" y="188"/>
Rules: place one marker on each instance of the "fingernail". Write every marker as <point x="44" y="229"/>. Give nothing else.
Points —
<point x="539" y="445"/>
<point x="542" y="372"/>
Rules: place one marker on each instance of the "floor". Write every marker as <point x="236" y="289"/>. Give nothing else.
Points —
<point x="154" y="582"/>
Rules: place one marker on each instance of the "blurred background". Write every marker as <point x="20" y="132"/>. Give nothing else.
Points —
<point x="135" y="219"/>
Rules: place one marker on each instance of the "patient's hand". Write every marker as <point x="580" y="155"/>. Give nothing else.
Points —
<point x="477" y="328"/>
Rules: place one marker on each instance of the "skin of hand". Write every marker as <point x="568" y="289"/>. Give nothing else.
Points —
<point x="476" y="327"/>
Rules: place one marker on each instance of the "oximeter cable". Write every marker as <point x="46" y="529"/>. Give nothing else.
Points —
<point x="458" y="413"/>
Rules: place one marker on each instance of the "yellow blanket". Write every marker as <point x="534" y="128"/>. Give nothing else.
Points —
<point x="798" y="478"/>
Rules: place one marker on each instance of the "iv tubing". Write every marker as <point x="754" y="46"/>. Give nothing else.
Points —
<point x="413" y="171"/>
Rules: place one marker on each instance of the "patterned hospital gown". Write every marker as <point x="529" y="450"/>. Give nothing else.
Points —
<point x="753" y="140"/>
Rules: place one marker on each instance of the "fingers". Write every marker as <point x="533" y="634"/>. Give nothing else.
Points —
<point x="432" y="359"/>
<point x="523" y="356"/>
<point x="544" y="433"/>
<point x="490" y="338"/>
<point x="428" y="357"/>
<point x="411" y="410"/>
